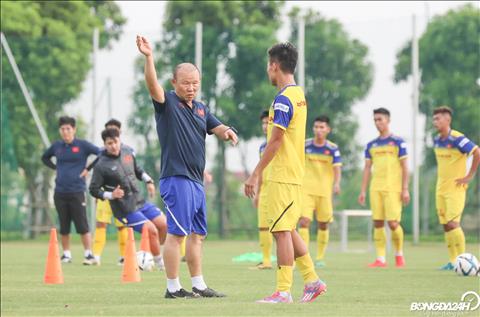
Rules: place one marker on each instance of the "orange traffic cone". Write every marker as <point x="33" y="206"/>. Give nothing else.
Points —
<point x="53" y="269"/>
<point x="145" y="242"/>
<point x="131" y="272"/>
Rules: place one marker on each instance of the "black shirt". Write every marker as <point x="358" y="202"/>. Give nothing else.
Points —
<point x="181" y="131"/>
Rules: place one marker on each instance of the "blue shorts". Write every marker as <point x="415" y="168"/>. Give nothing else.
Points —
<point x="186" y="205"/>
<point x="137" y="218"/>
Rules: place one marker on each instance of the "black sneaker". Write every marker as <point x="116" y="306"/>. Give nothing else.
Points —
<point x="66" y="259"/>
<point x="208" y="292"/>
<point x="89" y="260"/>
<point x="181" y="293"/>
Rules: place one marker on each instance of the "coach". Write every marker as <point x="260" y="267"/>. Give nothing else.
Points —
<point x="182" y="125"/>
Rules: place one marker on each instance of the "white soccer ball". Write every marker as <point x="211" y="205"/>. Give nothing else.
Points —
<point x="467" y="264"/>
<point x="145" y="261"/>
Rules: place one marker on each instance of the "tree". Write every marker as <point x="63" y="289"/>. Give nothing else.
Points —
<point x="51" y="43"/>
<point x="236" y="35"/>
<point x="449" y="60"/>
<point x="337" y="74"/>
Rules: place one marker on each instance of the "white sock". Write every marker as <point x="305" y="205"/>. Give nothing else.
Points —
<point x="97" y="258"/>
<point x="173" y="285"/>
<point x="381" y="259"/>
<point x="67" y="253"/>
<point x="158" y="259"/>
<point x="399" y="253"/>
<point x="198" y="282"/>
<point x="87" y="252"/>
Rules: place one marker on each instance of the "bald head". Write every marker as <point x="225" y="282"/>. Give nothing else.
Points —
<point x="184" y="68"/>
<point x="186" y="81"/>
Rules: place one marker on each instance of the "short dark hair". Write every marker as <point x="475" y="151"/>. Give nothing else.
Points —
<point x="322" y="118"/>
<point x="114" y="122"/>
<point x="63" y="120"/>
<point x="382" y="110"/>
<point x="286" y="55"/>
<point x="443" y="109"/>
<point x="110" y="133"/>
<point x="264" y="114"/>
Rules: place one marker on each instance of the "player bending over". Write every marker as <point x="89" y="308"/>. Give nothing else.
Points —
<point x="115" y="179"/>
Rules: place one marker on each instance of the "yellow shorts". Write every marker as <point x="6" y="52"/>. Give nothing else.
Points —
<point x="450" y="206"/>
<point x="104" y="213"/>
<point x="262" y="211"/>
<point x="322" y="206"/>
<point x="284" y="205"/>
<point x="386" y="205"/>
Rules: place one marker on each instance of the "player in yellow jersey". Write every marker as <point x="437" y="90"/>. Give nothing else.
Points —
<point x="387" y="154"/>
<point x="451" y="151"/>
<point x="260" y="202"/>
<point x="322" y="179"/>
<point x="285" y="157"/>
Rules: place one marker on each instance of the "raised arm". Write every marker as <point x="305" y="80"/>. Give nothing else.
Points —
<point x="155" y="89"/>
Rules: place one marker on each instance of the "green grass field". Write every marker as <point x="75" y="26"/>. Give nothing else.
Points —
<point x="353" y="290"/>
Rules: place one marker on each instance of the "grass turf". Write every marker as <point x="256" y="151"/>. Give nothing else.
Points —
<point x="353" y="290"/>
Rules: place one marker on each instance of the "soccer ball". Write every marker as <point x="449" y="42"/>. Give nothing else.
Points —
<point x="467" y="264"/>
<point x="145" y="261"/>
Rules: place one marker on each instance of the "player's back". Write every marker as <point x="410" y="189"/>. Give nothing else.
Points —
<point x="288" y="165"/>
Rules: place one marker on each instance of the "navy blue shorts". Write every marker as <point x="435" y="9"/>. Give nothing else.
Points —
<point x="186" y="205"/>
<point x="137" y="218"/>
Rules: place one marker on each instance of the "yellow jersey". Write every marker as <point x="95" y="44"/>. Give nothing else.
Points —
<point x="386" y="154"/>
<point x="319" y="163"/>
<point x="289" y="113"/>
<point x="451" y="154"/>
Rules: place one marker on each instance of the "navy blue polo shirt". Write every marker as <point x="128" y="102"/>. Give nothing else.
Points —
<point x="71" y="160"/>
<point x="182" y="131"/>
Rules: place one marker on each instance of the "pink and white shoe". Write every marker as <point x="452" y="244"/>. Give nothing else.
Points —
<point x="378" y="263"/>
<point x="277" y="298"/>
<point x="313" y="290"/>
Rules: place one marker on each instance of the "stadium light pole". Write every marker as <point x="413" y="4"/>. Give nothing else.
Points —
<point x="415" y="101"/>
<point x="301" y="53"/>
<point x="198" y="51"/>
<point x="26" y="94"/>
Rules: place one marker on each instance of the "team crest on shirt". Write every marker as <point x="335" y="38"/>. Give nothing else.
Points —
<point x="201" y="112"/>
<point x="128" y="159"/>
<point x="449" y="146"/>
<point x="75" y="149"/>
<point x="327" y="152"/>
<point x="391" y="143"/>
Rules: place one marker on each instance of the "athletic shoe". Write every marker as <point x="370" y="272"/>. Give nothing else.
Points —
<point x="66" y="259"/>
<point x="276" y="298"/>
<point x="208" y="292"/>
<point x="320" y="264"/>
<point x="181" y="293"/>
<point x="120" y="261"/>
<point x="89" y="260"/>
<point x="261" y="266"/>
<point x="447" y="267"/>
<point x="313" y="290"/>
<point x="378" y="263"/>
<point x="399" y="261"/>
